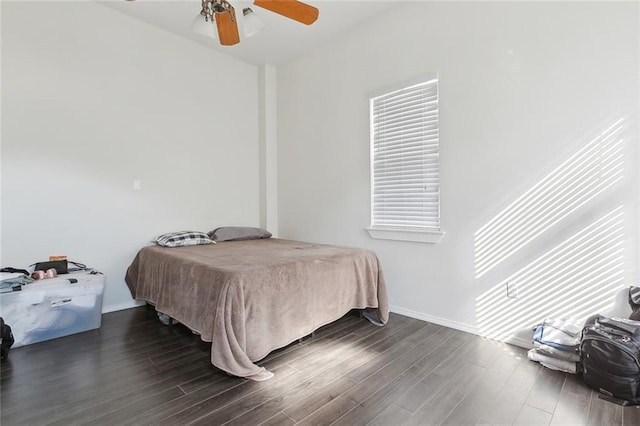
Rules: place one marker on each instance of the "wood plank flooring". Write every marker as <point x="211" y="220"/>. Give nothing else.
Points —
<point x="136" y="371"/>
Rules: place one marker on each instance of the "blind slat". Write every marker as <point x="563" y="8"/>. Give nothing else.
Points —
<point x="424" y="157"/>
<point x="400" y="98"/>
<point x="427" y="109"/>
<point x="396" y="135"/>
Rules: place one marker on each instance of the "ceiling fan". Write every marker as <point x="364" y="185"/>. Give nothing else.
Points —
<point x="224" y="15"/>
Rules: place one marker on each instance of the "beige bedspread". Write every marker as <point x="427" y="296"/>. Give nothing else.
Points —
<point x="251" y="297"/>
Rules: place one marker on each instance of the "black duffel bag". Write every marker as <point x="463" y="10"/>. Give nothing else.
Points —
<point x="610" y="353"/>
<point x="6" y="340"/>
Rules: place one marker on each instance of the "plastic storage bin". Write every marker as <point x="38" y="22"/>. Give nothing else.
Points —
<point x="54" y="307"/>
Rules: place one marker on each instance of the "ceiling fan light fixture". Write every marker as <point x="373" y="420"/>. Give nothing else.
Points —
<point x="252" y="24"/>
<point x="202" y="25"/>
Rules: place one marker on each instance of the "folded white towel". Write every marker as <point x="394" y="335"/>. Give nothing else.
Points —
<point x="553" y="363"/>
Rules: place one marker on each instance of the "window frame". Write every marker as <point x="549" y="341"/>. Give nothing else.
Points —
<point x="425" y="234"/>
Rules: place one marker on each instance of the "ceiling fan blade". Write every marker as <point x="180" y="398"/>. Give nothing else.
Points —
<point x="227" y="27"/>
<point x="292" y="9"/>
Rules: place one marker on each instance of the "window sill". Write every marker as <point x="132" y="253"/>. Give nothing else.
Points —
<point x="404" y="234"/>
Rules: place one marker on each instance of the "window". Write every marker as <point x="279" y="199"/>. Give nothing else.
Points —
<point x="405" y="181"/>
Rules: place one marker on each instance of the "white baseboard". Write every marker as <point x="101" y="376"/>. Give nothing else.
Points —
<point x="512" y="340"/>
<point x="121" y="306"/>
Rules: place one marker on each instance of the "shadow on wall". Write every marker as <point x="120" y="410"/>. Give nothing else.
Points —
<point x="575" y="279"/>
<point x="589" y="172"/>
<point x="579" y="276"/>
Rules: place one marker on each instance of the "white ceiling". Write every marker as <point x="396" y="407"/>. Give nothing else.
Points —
<point x="281" y="39"/>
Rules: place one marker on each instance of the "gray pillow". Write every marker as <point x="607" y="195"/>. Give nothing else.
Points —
<point x="237" y="233"/>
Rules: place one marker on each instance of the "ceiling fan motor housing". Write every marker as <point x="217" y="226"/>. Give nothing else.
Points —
<point x="209" y="7"/>
<point x="220" y="6"/>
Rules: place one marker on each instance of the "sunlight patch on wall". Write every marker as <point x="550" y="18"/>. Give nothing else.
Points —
<point x="589" y="172"/>
<point x="575" y="279"/>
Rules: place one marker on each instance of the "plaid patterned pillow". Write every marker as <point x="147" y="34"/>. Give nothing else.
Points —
<point x="183" y="238"/>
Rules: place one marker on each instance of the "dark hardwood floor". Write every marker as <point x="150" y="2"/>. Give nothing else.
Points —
<point x="134" y="370"/>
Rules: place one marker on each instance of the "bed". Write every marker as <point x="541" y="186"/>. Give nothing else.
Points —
<point x="250" y="297"/>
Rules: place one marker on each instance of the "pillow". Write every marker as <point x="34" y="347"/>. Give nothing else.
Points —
<point x="237" y="233"/>
<point x="183" y="238"/>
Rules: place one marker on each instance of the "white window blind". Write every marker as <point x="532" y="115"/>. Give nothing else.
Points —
<point x="405" y="158"/>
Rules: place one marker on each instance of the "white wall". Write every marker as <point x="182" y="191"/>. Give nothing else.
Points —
<point x="92" y="100"/>
<point x="527" y="91"/>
